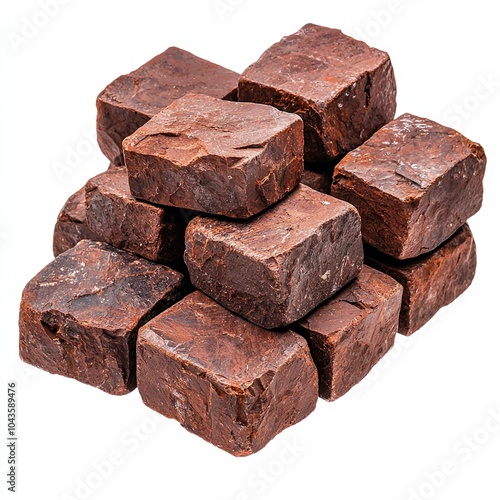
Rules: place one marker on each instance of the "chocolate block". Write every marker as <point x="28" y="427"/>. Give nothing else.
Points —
<point x="71" y="226"/>
<point x="223" y="378"/>
<point x="352" y="331"/>
<point x="415" y="182"/>
<point x="342" y="89"/>
<point x="219" y="157"/>
<point x="278" y="266"/>
<point x="116" y="217"/>
<point x="80" y="315"/>
<point x="131" y="100"/>
<point x="431" y="281"/>
<point x="318" y="177"/>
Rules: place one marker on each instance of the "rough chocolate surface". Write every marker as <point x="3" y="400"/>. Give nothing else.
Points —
<point x="343" y="89"/>
<point x="218" y="157"/>
<point x="228" y="381"/>
<point x="318" y="176"/>
<point x="352" y="331"/>
<point x="431" y="281"/>
<point x="131" y="100"/>
<point x="71" y="226"/>
<point x="116" y="217"/>
<point x="415" y="182"/>
<point x="278" y="266"/>
<point x="80" y="315"/>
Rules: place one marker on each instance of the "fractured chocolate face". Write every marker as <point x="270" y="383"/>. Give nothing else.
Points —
<point x="225" y="379"/>
<point x="342" y="89"/>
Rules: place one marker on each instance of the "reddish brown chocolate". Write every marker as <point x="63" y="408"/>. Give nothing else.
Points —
<point x="116" y="217"/>
<point x="342" y="89"/>
<point x="224" y="379"/>
<point x="131" y="100"/>
<point x="415" y="182"/>
<point x="352" y="331"/>
<point x="218" y="157"/>
<point x="318" y="176"/>
<point x="80" y="315"/>
<point x="71" y="226"/>
<point x="280" y="265"/>
<point x="431" y="281"/>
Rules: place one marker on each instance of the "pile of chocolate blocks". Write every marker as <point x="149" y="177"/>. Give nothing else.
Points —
<point x="258" y="239"/>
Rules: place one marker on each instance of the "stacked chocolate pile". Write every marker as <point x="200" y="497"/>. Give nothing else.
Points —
<point x="284" y="307"/>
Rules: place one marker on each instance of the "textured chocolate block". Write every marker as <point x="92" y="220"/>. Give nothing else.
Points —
<point x="219" y="157"/>
<point x="415" y="182"/>
<point x="278" y="266"/>
<point x="350" y="333"/>
<point x="431" y="281"/>
<point x="80" y="315"/>
<point x="343" y="89"/>
<point x="116" y="217"/>
<point x="131" y="100"/>
<point x="228" y="381"/>
<point x="318" y="176"/>
<point x="71" y="226"/>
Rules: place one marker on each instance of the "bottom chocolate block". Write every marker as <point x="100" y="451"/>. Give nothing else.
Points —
<point x="431" y="281"/>
<point x="80" y="315"/>
<point x="223" y="378"/>
<point x="350" y="333"/>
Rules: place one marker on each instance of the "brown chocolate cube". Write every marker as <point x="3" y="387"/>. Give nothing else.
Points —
<point x="415" y="182"/>
<point x="342" y="89"/>
<point x="431" y="281"/>
<point x="278" y="266"/>
<point x="218" y="157"/>
<point x="131" y="100"/>
<point x="224" y="379"/>
<point x="352" y="331"/>
<point x="80" y="315"/>
<point x="71" y="226"/>
<point x="116" y="217"/>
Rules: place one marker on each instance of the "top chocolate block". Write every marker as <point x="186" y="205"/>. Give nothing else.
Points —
<point x="415" y="182"/>
<point x="218" y="157"/>
<point x="131" y="100"/>
<point x="343" y="89"/>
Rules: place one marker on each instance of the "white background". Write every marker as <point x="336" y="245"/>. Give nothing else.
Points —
<point x="381" y="441"/>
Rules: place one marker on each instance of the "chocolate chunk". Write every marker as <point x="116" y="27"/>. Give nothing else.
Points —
<point x="131" y="100"/>
<point x="224" y="379"/>
<point x="431" y="281"/>
<point x="219" y="157"/>
<point x="116" y="217"/>
<point x="415" y="182"/>
<point x="80" y="315"/>
<point x="71" y="226"/>
<point x="278" y="266"/>
<point x="343" y="89"/>
<point x="352" y="331"/>
<point x="318" y="176"/>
